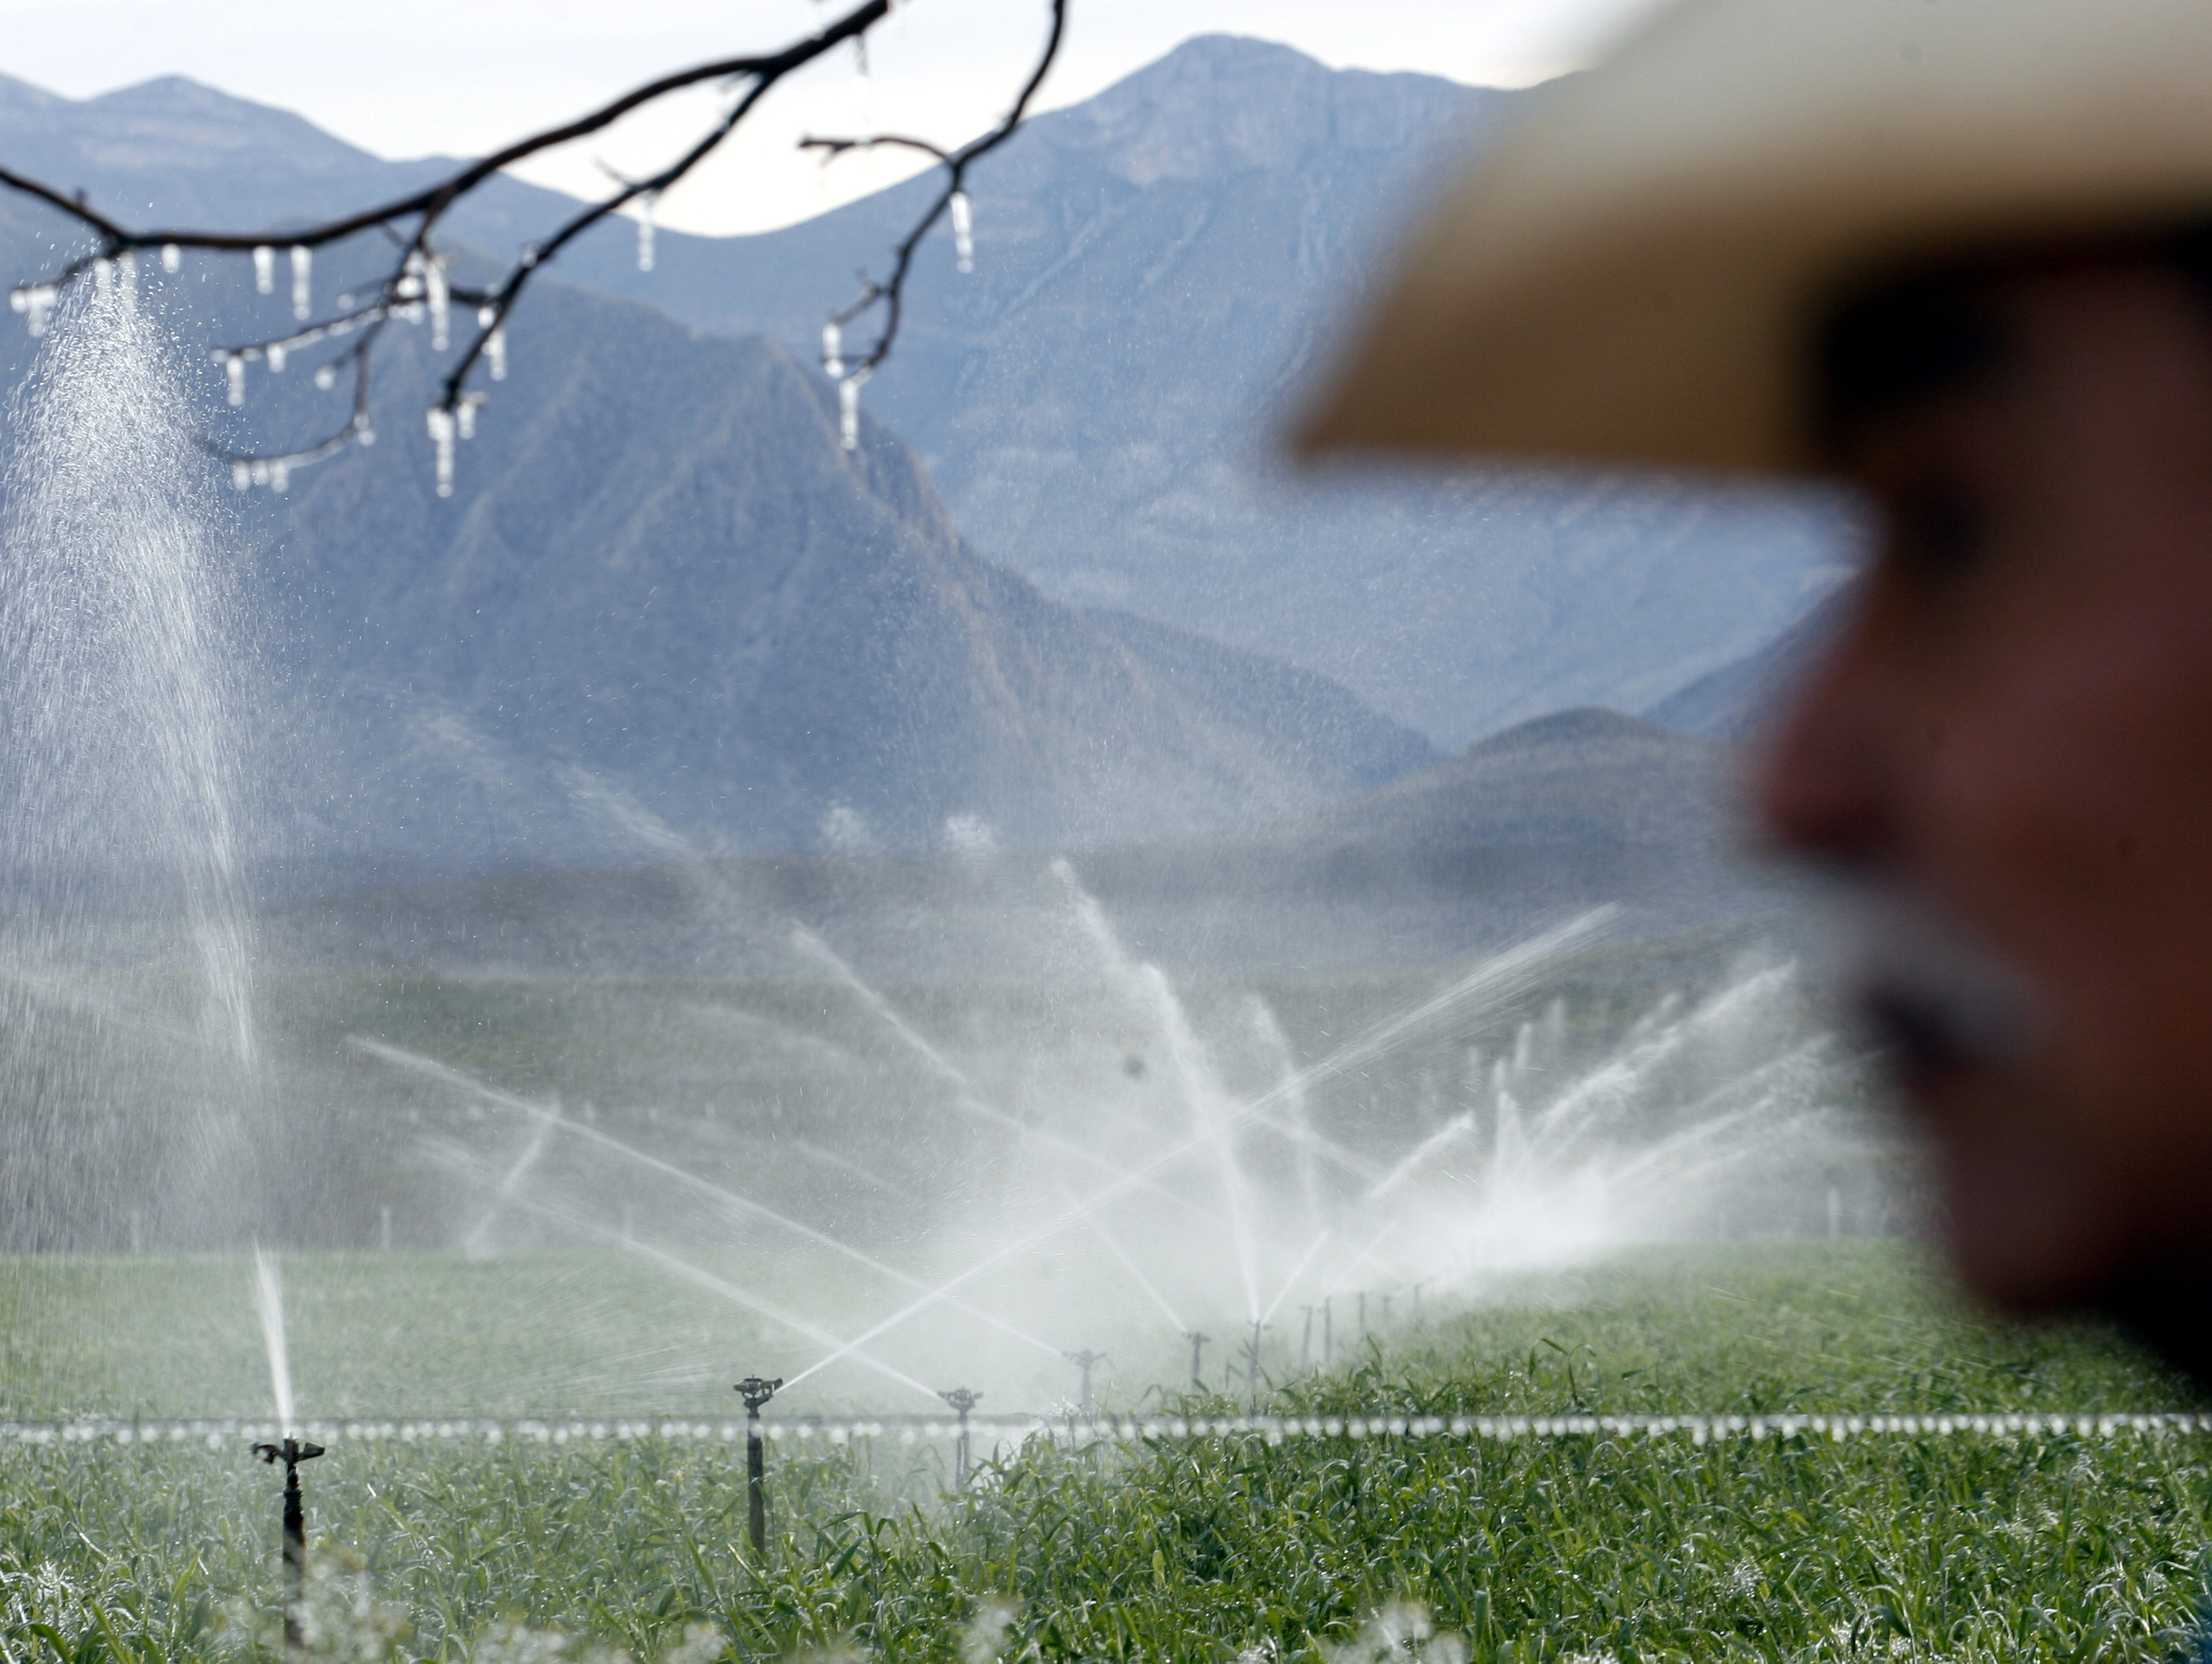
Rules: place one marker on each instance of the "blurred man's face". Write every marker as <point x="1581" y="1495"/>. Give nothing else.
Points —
<point x="2012" y="743"/>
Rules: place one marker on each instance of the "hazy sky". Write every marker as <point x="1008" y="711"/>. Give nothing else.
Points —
<point x="408" y="77"/>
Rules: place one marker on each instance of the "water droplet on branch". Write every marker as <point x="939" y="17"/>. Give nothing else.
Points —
<point x="495" y="353"/>
<point x="233" y="370"/>
<point x="440" y="423"/>
<point x="265" y="269"/>
<point x="36" y="303"/>
<point x="440" y="298"/>
<point x="833" y="351"/>
<point x="303" y="261"/>
<point x="173" y="257"/>
<point x="848" y="409"/>
<point x="645" y="232"/>
<point x="963" y="231"/>
<point x="326" y="376"/>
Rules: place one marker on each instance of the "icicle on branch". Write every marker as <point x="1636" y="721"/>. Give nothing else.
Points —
<point x="417" y="287"/>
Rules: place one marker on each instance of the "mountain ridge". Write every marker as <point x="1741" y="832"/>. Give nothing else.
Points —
<point x="664" y="611"/>
<point x="1117" y="244"/>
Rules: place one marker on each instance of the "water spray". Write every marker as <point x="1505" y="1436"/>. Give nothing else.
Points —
<point x="1086" y="1360"/>
<point x="1197" y="1350"/>
<point x="1260" y="1325"/>
<point x="292" y="1452"/>
<point x="756" y="1392"/>
<point x="961" y="1401"/>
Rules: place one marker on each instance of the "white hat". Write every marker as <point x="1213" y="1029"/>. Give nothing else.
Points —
<point x="1635" y="274"/>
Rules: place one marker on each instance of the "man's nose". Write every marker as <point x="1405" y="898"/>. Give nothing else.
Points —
<point x="1823" y="786"/>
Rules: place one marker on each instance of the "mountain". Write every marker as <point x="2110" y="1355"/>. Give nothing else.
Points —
<point x="1159" y="269"/>
<point x="1734" y="701"/>
<point x="665" y="613"/>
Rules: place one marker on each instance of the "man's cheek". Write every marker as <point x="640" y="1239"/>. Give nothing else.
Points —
<point x="2021" y="1202"/>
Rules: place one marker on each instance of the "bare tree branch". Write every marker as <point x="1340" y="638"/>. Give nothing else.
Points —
<point x="417" y="287"/>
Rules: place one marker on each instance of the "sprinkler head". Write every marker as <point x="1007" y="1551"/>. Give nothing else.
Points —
<point x="291" y="1452"/>
<point x="756" y="1392"/>
<point x="962" y="1399"/>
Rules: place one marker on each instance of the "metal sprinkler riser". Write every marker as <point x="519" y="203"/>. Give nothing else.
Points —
<point x="1086" y="1360"/>
<point x="961" y="1400"/>
<point x="292" y="1452"/>
<point x="1197" y="1354"/>
<point x="755" y="1391"/>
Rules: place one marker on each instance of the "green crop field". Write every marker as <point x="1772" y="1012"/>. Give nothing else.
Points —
<point x="1959" y="1545"/>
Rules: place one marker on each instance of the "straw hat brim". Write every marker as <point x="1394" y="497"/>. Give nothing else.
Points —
<point x="1635" y="274"/>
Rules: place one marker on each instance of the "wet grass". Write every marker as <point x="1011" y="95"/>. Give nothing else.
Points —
<point x="2053" y="1546"/>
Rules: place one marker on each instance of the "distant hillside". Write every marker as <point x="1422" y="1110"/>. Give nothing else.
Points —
<point x="1516" y="834"/>
<point x="1734" y="700"/>
<point x="665" y="615"/>
<point x="1158" y="268"/>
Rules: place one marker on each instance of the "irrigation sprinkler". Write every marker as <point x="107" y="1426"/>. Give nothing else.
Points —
<point x="1086" y="1360"/>
<point x="1258" y="1328"/>
<point x="961" y="1401"/>
<point x="1197" y="1349"/>
<point x="292" y="1452"/>
<point x="756" y="1392"/>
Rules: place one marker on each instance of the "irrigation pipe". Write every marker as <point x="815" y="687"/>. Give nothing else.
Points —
<point x="1125" y="1429"/>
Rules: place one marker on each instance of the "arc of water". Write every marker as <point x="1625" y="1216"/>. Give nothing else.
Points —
<point x="1297" y="1125"/>
<point x="401" y="1058"/>
<point x="1296" y="1272"/>
<point x="59" y="991"/>
<point x="1691" y="1139"/>
<point x="1090" y="1217"/>
<point x="1421" y="1155"/>
<point x="712" y="1016"/>
<point x="1203" y="1095"/>
<point x="1798" y="1056"/>
<point x="1616" y="1079"/>
<point x="732" y="1292"/>
<point x="831" y="1159"/>
<point x="963" y="1091"/>
<point x="1505" y="974"/>
<point x="269" y="1301"/>
<point x="540" y="1136"/>
<point x="1345" y="1272"/>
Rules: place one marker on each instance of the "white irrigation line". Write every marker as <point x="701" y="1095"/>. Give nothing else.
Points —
<point x="1274" y="1430"/>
